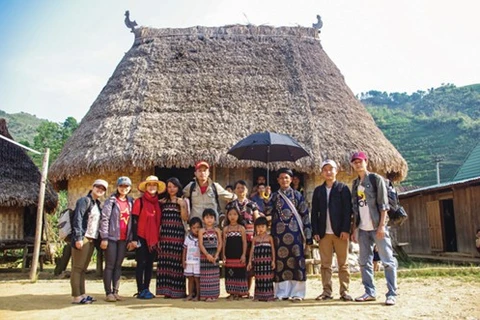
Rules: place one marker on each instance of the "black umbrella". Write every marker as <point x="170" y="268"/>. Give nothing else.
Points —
<point x="268" y="147"/>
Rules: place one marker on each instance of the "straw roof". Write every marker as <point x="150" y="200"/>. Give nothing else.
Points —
<point x="19" y="177"/>
<point x="181" y="95"/>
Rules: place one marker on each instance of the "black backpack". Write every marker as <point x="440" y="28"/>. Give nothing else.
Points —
<point x="396" y="214"/>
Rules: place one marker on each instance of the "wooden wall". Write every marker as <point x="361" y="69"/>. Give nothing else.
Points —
<point x="417" y="229"/>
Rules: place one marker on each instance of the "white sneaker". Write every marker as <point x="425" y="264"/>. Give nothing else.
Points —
<point x="390" y="301"/>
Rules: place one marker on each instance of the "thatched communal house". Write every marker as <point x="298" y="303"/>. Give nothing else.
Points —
<point x="182" y="95"/>
<point x="19" y="188"/>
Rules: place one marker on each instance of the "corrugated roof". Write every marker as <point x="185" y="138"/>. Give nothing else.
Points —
<point x="471" y="166"/>
<point x="445" y="185"/>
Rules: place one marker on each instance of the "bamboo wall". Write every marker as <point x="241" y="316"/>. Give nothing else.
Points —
<point x="11" y="226"/>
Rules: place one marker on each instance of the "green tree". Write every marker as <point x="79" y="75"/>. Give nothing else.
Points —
<point x="52" y="135"/>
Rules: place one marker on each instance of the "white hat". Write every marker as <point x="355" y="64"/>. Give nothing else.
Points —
<point x="330" y="162"/>
<point x="100" y="182"/>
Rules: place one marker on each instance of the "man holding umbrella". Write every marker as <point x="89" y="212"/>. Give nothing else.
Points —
<point x="291" y="230"/>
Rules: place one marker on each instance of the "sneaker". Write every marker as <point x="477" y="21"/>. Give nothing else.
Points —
<point x="365" y="297"/>
<point x="346" y="297"/>
<point x="390" y="301"/>
<point x="146" y="294"/>
<point x="110" y="298"/>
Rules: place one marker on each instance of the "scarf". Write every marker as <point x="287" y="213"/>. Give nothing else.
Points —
<point x="151" y="210"/>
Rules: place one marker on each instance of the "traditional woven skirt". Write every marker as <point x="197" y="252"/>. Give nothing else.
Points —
<point x="170" y="277"/>
<point x="235" y="272"/>
<point x="209" y="272"/>
<point x="262" y="267"/>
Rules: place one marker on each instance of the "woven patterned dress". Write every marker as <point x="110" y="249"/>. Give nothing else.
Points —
<point x="262" y="267"/>
<point x="235" y="272"/>
<point x="209" y="272"/>
<point x="170" y="277"/>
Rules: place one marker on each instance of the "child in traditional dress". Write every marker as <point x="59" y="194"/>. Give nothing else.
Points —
<point x="262" y="260"/>
<point x="191" y="259"/>
<point x="210" y="243"/>
<point x="234" y="253"/>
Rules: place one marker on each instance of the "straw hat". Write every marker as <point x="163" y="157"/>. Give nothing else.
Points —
<point x="152" y="179"/>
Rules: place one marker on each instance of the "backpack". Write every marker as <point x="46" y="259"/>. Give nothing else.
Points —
<point x="396" y="214"/>
<point x="214" y="187"/>
<point x="64" y="223"/>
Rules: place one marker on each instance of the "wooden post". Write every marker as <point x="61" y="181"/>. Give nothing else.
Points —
<point x="38" y="230"/>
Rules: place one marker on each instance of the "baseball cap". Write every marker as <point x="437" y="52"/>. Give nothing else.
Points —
<point x="200" y="164"/>
<point x="358" y="155"/>
<point x="330" y="162"/>
<point x="124" y="181"/>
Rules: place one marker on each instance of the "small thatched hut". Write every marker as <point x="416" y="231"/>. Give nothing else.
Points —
<point x="181" y="95"/>
<point x="19" y="188"/>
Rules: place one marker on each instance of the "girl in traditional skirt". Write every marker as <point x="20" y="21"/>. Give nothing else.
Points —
<point x="262" y="261"/>
<point x="234" y="253"/>
<point x="210" y="243"/>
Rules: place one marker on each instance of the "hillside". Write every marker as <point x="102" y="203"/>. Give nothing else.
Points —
<point x="22" y="126"/>
<point x="442" y="123"/>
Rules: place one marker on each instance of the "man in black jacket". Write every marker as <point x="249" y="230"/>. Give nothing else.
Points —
<point x="331" y="219"/>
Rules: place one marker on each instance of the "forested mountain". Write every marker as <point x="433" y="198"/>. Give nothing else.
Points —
<point x="22" y="126"/>
<point x="439" y="124"/>
<point x="39" y="134"/>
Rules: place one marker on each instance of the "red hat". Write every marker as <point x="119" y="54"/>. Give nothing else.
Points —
<point x="200" y="164"/>
<point x="359" y="155"/>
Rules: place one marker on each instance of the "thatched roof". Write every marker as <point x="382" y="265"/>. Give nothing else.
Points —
<point x="181" y="95"/>
<point x="19" y="177"/>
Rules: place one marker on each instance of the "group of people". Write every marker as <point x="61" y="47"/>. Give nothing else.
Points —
<point x="179" y="228"/>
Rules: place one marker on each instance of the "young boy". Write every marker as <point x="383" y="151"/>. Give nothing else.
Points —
<point x="191" y="259"/>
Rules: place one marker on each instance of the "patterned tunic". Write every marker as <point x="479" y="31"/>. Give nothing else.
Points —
<point x="262" y="267"/>
<point x="288" y="239"/>
<point x="235" y="271"/>
<point x="170" y="277"/>
<point x="209" y="272"/>
<point x="246" y="207"/>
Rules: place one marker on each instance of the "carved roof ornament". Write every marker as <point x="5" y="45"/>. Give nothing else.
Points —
<point x="130" y="24"/>
<point x="319" y="24"/>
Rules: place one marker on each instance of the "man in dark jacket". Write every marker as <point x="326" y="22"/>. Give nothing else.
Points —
<point x="331" y="219"/>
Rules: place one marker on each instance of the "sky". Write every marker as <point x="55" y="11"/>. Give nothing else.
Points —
<point x="56" y="56"/>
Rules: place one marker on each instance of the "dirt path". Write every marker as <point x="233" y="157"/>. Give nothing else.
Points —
<point x="428" y="298"/>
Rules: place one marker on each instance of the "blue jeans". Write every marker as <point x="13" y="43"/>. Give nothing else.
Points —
<point x="366" y="240"/>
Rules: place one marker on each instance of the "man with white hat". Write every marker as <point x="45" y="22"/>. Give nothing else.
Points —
<point x="331" y="219"/>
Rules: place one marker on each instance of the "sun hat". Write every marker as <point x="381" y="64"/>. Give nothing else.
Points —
<point x="200" y="164"/>
<point x="100" y="182"/>
<point x="124" y="181"/>
<point x="330" y="162"/>
<point x="152" y="179"/>
<point x="359" y="155"/>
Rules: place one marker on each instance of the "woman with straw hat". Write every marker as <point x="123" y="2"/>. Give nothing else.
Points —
<point x="146" y="216"/>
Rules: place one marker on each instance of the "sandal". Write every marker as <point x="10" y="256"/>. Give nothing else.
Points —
<point x="297" y="299"/>
<point x="83" y="301"/>
<point x="323" y="297"/>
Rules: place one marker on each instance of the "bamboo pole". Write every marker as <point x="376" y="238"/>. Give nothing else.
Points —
<point x="38" y="230"/>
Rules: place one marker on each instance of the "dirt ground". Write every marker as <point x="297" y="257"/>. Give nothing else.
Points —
<point x="419" y="298"/>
